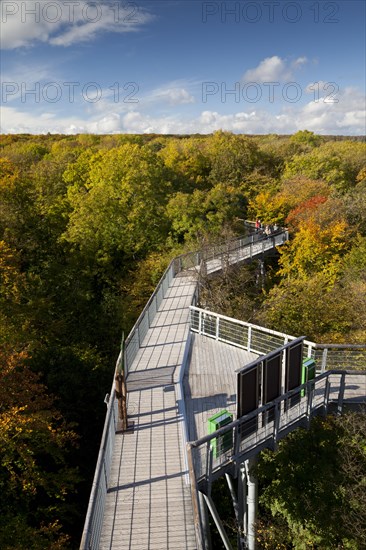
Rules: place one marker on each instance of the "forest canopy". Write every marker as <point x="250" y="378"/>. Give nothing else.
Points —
<point x="87" y="226"/>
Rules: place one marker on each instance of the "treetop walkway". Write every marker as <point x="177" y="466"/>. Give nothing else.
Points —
<point x="147" y="489"/>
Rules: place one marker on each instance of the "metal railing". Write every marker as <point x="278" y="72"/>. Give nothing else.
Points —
<point x="95" y="513"/>
<point x="186" y="262"/>
<point x="338" y="356"/>
<point x="262" y="428"/>
<point x="261" y="340"/>
<point x="256" y="244"/>
<point x="143" y="323"/>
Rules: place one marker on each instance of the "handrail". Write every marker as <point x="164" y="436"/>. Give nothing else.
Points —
<point x="189" y="261"/>
<point x="286" y="396"/>
<point x="257" y="430"/>
<point x="95" y="511"/>
<point x="261" y="340"/>
<point x="211" y="252"/>
<point x="94" y="517"/>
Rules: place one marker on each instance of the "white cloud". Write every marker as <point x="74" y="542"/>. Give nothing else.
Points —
<point x="171" y="96"/>
<point x="59" y="23"/>
<point x="273" y="69"/>
<point x="342" y="111"/>
<point x="299" y="62"/>
<point x="14" y="121"/>
<point x="345" y="117"/>
<point x="109" y="124"/>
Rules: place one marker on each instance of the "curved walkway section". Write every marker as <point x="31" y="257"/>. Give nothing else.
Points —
<point x="141" y="496"/>
<point x="148" y="502"/>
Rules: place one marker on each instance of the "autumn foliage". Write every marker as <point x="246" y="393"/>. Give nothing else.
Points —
<point x="87" y="226"/>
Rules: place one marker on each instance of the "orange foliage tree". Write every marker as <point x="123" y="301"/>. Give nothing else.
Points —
<point x="34" y="477"/>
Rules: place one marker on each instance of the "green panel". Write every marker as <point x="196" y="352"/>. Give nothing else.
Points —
<point x="308" y="372"/>
<point x="224" y="442"/>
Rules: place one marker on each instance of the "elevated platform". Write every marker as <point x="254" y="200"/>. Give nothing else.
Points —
<point x="148" y="502"/>
<point x="210" y="381"/>
<point x="180" y="364"/>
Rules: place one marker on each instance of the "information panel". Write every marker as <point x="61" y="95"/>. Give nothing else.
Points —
<point x="294" y="355"/>
<point x="271" y="383"/>
<point x="248" y="398"/>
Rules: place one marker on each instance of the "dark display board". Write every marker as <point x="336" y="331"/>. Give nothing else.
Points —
<point x="248" y="398"/>
<point x="294" y="354"/>
<point x="272" y="368"/>
<point x="261" y="382"/>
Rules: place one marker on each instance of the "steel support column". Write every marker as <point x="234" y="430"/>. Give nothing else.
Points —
<point x="205" y="522"/>
<point x="252" y="501"/>
<point x="242" y="505"/>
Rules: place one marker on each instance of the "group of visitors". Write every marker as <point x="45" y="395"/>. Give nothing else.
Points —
<point x="265" y="229"/>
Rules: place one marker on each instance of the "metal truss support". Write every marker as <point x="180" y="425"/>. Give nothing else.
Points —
<point x="230" y="483"/>
<point x="205" y="522"/>
<point x="218" y="522"/>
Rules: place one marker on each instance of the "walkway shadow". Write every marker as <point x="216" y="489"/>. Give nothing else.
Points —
<point x="200" y="409"/>
<point x="151" y="378"/>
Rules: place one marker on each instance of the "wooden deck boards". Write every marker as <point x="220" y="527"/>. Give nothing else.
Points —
<point x="210" y="381"/>
<point x="148" y="503"/>
<point x="355" y="388"/>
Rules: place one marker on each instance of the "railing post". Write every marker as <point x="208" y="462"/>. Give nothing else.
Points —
<point x="276" y="423"/>
<point x="217" y="327"/>
<point x="326" y="396"/>
<point x="105" y="475"/>
<point x="236" y="441"/>
<point x="341" y="393"/>
<point x="200" y="322"/>
<point x="324" y="360"/>
<point x="208" y="464"/>
<point x="309" y="405"/>
<point x="249" y="338"/>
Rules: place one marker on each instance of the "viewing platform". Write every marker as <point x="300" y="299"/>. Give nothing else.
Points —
<point x="180" y="365"/>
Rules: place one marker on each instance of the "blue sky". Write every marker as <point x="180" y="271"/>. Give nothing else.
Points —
<point x="183" y="66"/>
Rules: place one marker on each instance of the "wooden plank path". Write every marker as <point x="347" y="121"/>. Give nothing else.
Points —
<point x="253" y="250"/>
<point x="354" y="391"/>
<point x="210" y="381"/>
<point x="148" y="503"/>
